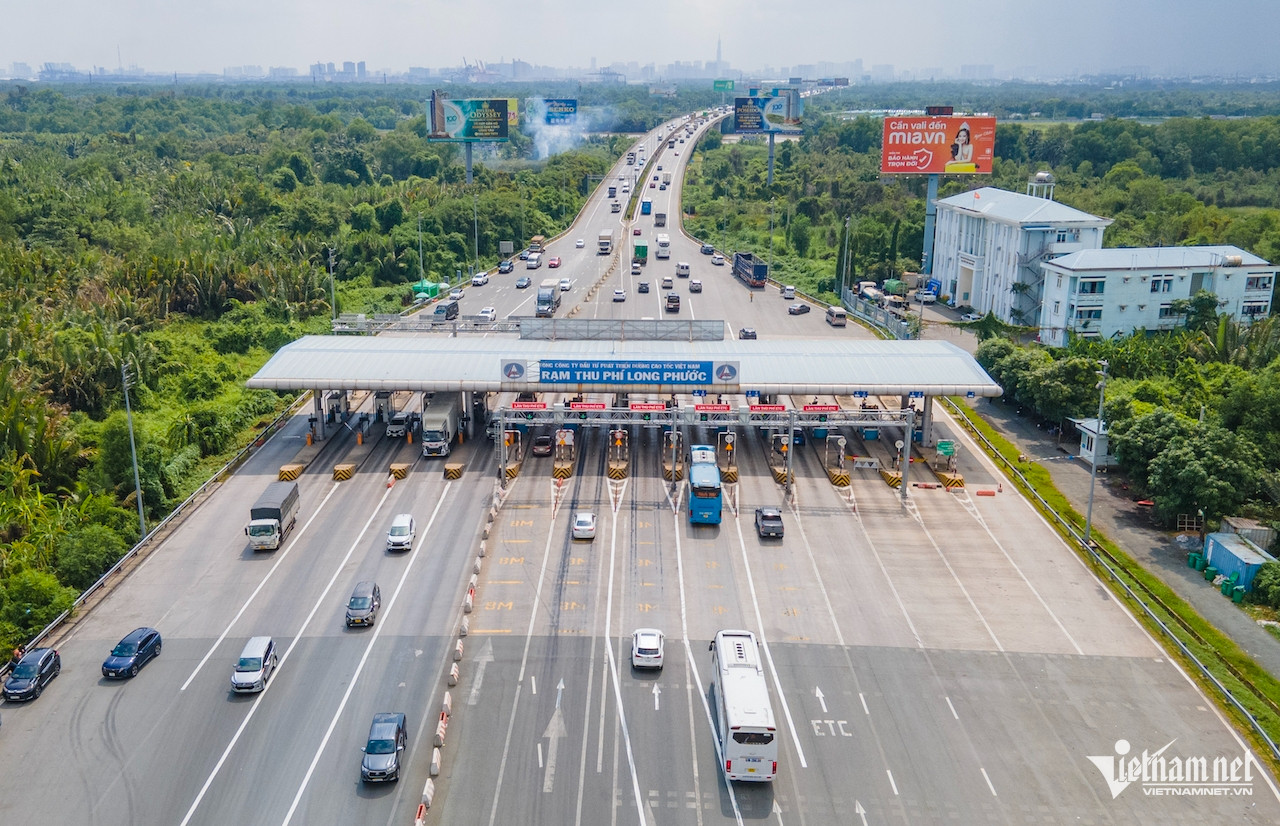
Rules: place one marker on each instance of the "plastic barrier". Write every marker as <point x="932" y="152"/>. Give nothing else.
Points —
<point x="453" y="674"/>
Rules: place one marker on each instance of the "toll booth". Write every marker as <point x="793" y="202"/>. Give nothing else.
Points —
<point x="382" y="406"/>
<point x="337" y="406"/>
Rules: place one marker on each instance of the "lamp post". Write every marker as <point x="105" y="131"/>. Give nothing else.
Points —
<point x="1093" y="466"/>
<point x="333" y="299"/>
<point x="475" y="225"/>
<point x="422" y="275"/>
<point x="127" y="381"/>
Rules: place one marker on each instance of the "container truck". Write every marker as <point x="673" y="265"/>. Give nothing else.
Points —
<point x="273" y="516"/>
<point x="548" y="298"/>
<point x="664" y="246"/>
<point x="613" y="191"/>
<point x="646" y="206"/>
<point x="641" y="255"/>
<point x="440" y="424"/>
<point x="659" y="219"/>
<point x="604" y="242"/>
<point x="666" y="178"/>
<point x="750" y="271"/>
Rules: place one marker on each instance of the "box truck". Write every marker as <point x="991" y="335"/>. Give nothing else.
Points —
<point x="273" y="516"/>
<point x="440" y="424"/>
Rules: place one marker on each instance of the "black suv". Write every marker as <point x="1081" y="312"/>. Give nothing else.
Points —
<point x="34" y="671"/>
<point x="138" y="648"/>
<point x="387" y="739"/>
<point x="506" y="265"/>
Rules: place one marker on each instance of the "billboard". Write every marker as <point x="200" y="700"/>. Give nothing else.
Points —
<point x="561" y="110"/>
<point x="513" y="113"/>
<point x="722" y="86"/>
<point x="956" y="145"/>
<point x="468" y="119"/>
<point x="780" y="113"/>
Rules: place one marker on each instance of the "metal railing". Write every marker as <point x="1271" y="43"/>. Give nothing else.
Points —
<point x="1102" y="561"/>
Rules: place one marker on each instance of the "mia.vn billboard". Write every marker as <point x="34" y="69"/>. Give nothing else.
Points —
<point x="955" y="145"/>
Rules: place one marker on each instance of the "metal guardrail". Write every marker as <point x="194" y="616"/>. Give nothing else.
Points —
<point x="234" y="462"/>
<point x="1099" y="559"/>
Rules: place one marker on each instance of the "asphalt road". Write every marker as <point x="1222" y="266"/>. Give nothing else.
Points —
<point x="950" y="661"/>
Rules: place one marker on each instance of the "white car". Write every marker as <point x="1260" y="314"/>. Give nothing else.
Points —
<point x="489" y="314"/>
<point x="718" y="260"/>
<point x="579" y="243"/>
<point x="456" y="294"/>
<point x="480" y="279"/>
<point x="646" y="648"/>
<point x="565" y="285"/>
<point x="971" y="317"/>
<point x="619" y="295"/>
<point x="584" y="525"/>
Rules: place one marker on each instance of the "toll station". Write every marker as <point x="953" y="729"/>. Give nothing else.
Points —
<point x="618" y="375"/>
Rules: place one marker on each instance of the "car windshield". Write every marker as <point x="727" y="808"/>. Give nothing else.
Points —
<point x="399" y="530"/>
<point x="125" y="649"/>
<point x="25" y="671"/>
<point x="380" y="747"/>
<point x="262" y="530"/>
<point x="249" y="664"/>
<point x="359" y="603"/>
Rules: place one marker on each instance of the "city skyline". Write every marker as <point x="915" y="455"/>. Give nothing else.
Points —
<point x="928" y="39"/>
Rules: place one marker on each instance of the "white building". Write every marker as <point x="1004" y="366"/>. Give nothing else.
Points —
<point x="1102" y="293"/>
<point x="1095" y="445"/>
<point x="989" y="243"/>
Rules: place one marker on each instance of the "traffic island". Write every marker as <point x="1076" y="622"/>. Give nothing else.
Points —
<point x="453" y="470"/>
<point x="291" y="472"/>
<point x="399" y="469"/>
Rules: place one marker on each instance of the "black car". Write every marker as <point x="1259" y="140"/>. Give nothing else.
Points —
<point x="34" y="671"/>
<point x="708" y="249"/>
<point x="523" y="281"/>
<point x="643" y="287"/>
<point x="506" y="265"/>
<point x="139" y="647"/>
<point x="769" y="522"/>
<point x="747" y="333"/>
<point x="524" y="255"/>
<point x="387" y="738"/>
<point x="799" y="308"/>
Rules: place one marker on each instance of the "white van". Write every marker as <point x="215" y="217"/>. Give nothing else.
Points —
<point x="682" y="270"/>
<point x="788" y="291"/>
<point x="534" y="261"/>
<point x="257" y="661"/>
<point x="836" y="317"/>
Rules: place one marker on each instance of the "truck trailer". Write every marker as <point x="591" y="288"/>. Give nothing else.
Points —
<point x="641" y="255"/>
<point x="659" y="219"/>
<point x="273" y="516"/>
<point x="548" y="298"/>
<point x="604" y="242"/>
<point x="750" y="271"/>
<point x="440" y="424"/>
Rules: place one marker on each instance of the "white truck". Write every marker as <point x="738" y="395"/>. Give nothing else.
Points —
<point x="604" y="243"/>
<point x="664" y="246"/>
<point x="440" y="424"/>
<point x="666" y="178"/>
<point x="273" y="516"/>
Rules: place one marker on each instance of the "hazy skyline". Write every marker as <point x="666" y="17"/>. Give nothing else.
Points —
<point x="1168" y="37"/>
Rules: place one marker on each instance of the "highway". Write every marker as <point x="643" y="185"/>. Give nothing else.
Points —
<point x="950" y="662"/>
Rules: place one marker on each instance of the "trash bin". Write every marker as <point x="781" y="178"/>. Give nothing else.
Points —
<point x="1227" y="586"/>
<point x="1209" y="573"/>
<point x="1201" y="562"/>
<point x="1237" y="594"/>
<point x="1192" y="558"/>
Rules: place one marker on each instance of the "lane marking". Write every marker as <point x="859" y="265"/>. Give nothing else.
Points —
<point x="283" y="555"/>
<point x="953" y="709"/>
<point x="368" y="649"/>
<point x="851" y="504"/>
<point x="891" y="783"/>
<point x="915" y="511"/>
<point x="863" y="698"/>
<point x="988" y="779"/>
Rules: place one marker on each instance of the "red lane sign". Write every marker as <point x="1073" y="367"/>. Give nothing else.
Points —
<point x="768" y="408"/>
<point x="712" y="408"/>
<point x="822" y="408"/>
<point x="648" y="406"/>
<point x="586" y="405"/>
<point x="528" y="405"/>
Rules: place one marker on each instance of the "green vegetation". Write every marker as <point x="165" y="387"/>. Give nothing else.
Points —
<point x="185" y="234"/>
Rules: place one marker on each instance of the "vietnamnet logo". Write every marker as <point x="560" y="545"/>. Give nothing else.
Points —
<point x="513" y="370"/>
<point x="1162" y="775"/>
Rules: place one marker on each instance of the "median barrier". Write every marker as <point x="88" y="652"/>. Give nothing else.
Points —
<point x="428" y="792"/>
<point x="435" y="762"/>
<point x="469" y="601"/>
<point x="465" y="627"/>
<point x="477" y="565"/>
<point x="441" y="728"/>
<point x="457" y="651"/>
<point x="446" y="705"/>
<point x="454" y="674"/>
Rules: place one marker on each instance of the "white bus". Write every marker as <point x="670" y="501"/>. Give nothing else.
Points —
<point x="744" y="717"/>
<point x="664" y="245"/>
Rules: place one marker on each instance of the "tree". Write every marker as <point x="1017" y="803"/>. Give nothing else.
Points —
<point x="1138" y="442"/>
<point x="33" y="599"/>
<point x="800" y="235"/>
<point x="1213" y="471"/>
<point x="85" y="554"/>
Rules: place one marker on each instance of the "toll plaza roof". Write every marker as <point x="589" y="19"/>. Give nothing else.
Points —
<point x="496" y="364"/>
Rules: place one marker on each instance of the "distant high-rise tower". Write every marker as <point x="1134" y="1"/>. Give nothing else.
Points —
<point x="718" y="63"/>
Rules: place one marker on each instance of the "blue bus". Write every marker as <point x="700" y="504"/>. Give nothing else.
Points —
<point x="646" y="206"/>
<point x="705" y="495"/>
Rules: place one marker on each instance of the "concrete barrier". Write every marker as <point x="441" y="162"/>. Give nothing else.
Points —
<point x="477" y="565"/>
<point x="428" y="792"/>
<point x="453" y="674"/>
<point x="421" y="818"/>
<point x="435" y="762"/>
<point x="469" y="601"/>
<point x="446" y="705"/>
<point x="483" y="550"/>
<point x="465" y="628"/>
<point x="441" y="728"/>
<point x="457" y="651"/>
<point x="473" y="582"/>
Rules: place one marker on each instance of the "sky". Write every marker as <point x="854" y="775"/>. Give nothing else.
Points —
<point x="1167" y="37"/>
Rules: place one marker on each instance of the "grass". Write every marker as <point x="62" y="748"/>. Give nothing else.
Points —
<point x="1254" y="687"/>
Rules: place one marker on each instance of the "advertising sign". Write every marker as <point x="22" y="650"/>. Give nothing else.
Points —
<point x="513" y="113"/>
<point x="561" y="110"/>
<point x="781" y="113"/>
<point x="468" y="119"/>
<point x="637" y="372"/>
<point x="957" y="145"/>
<point x="722" y="86"/>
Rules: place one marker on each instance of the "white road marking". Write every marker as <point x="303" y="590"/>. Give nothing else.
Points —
<point x="953" y="709"/>
<point x="891" y="783"/>
<point x="988" y="779"/>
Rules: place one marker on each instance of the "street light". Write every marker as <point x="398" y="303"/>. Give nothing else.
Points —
<point x="333" y="300"/>
<point x="1093" y="466"/>
<point x="127" y="381"/>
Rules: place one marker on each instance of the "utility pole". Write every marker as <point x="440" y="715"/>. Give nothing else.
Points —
<point x="770" y="234"/>
<point x="475" y="226"/>
<point x="422" y="275"/>
<point x="1097" y="439"/>
<point x="333" y="298"/>
<point x="127" y="381"/>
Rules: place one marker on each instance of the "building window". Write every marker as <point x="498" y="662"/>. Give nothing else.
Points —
<point x="1093" y="287"/>
<point x="1092" y="314"/>
<point x="1258" y="282"/>
<point x="1057" y="309"/>
<point x="1252" y="309"/>
<point x="1166" y="311"/>
<point x="1063" y="236"/>
<point x="1162" y="283"/>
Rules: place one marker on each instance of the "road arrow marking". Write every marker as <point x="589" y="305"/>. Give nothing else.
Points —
<point x="559" y="691"/>
<point x="556" y="731"/>
<point x="861" y="812"/>
<point x="817" y="692"/>
<point x="657" y="692"/>
<point x="482" y="659"/>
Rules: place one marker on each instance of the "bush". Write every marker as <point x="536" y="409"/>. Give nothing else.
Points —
<point x="1266" y="586"/>
<point x="32" y="600"/>
<point x="85" y="554"/>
